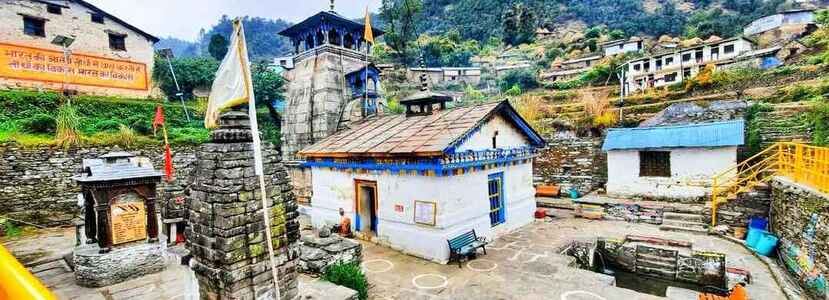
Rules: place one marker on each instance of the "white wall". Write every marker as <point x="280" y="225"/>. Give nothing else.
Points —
<point x="508" y="136"/>
<point x="691" y="173"/>
<point x="462" y="205"/>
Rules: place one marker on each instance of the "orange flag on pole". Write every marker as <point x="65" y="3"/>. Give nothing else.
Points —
<point x="368" y="35"/>
<point x="168" y="154"/>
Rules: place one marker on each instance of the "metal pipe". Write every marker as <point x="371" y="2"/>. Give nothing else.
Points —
<point x="178" y="89"/>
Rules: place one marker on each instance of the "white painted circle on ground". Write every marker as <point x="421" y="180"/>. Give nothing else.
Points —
<point x="377" y="263"/>
<point x="442" y="278"/>
<point x="473" y="265"/>
<point x="567" y="295"/>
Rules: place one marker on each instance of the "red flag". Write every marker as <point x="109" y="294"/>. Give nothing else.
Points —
<point x="168" y="163"/>
<point x="159" y="118"/>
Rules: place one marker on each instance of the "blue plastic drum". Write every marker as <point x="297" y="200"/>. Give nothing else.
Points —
<point x="758" y="223"/>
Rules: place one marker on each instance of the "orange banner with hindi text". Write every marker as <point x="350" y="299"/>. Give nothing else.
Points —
<point x="36" y="64"/>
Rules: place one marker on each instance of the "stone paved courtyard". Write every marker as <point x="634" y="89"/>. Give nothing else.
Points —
<point x="524" y="265"/>
<point x="521" y="265"/>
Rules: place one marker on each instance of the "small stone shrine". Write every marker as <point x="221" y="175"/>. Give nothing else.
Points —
<point x="226" y="233"/>
<point x="323" y="250"/>
<point x="120" y="221"/>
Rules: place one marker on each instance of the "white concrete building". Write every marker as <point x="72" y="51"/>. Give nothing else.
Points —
<point x="675" y="65"/>
<point x="414" y="181"/>
<point x="670" y="162"/>
<point x="571" y="69"/>
<point x="611" y="48"/>
<point x="107" y="56"/>
<point x="465" y="75"/>
<point x="784" y="19"/>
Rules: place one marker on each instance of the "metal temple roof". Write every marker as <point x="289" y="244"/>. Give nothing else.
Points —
<point x="720" y="134"/>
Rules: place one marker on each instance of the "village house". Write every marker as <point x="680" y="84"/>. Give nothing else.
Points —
<point x="792" y="21"/>
<point x="621" y="46"/>
<point x="416" y="180"/>
<point x="673" y="162"/>
<point x="673" y="65"/>
<point x="106" y="55"/>
<point x="570" y="69"/>
<point x="464" y="75"/>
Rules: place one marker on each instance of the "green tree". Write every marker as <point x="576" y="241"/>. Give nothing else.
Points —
<point x="218" y="47"/>
<point x="401" y="18"/>
<point x="525" y="79"/>
<point x="448" y="50"/>
<point x="191" y="72"/>
<point x="519" y="24"/>
<point x="268" y="86"/>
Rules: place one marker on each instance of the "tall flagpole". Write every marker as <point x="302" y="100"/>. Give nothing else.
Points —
<point x="257" y="151"/>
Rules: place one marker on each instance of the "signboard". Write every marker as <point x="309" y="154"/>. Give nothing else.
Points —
<point x="129" y="222"/>
<point x="36" y="64"/>
<point x="425" y="213"/>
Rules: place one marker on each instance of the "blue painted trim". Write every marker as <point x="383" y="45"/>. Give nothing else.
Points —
<point x="502" y="213"/>
<point x="470" y="160"/>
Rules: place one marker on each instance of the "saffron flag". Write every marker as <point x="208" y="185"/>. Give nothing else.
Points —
<point x="230" y="86"/>
<point x="168" y="154"/>
<point x="168" y="159"/>
<point x="159" y="118"/>
<point x="368" y="35"/>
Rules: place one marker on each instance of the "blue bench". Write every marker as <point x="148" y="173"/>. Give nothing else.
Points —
<point x="465" y="245"/>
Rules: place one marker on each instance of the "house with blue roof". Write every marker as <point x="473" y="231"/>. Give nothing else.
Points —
<point x="670" y="162"/>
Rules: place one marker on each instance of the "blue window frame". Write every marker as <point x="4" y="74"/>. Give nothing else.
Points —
<point x="497" y="213"/>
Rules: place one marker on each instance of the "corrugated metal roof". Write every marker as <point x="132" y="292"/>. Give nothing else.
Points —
<point x="720" y="134"/>
<point x="424" y="135"/>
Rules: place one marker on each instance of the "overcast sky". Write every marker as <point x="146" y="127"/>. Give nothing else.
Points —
<point x="184" y="18"/>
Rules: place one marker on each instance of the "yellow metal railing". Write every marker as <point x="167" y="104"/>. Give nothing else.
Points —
<point x="802" y="163"/>
<point x="17" y="283"/>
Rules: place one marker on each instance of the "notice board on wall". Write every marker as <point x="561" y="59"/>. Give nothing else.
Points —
<point x="425" y="213"/>
<point x="45" y="65"/>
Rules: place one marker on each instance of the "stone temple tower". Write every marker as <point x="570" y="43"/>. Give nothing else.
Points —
<point x="331" y="85"/>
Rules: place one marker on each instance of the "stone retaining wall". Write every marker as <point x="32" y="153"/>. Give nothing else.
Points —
<point x="737" y="213"/>
<point x="36" y="184"/>
<point x="800" y="217"/>
<point x="572" y="162"/>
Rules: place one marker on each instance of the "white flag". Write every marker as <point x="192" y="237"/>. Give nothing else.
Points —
<point x="233" y="86"/>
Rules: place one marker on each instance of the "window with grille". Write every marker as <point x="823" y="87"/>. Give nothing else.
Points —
<point x="117" y="42"/>
<point x="654" y="164"/>
<point x="53" y="9"/>
<point x="728" y="49"/>
<point x="97" y="18"/>
<point x="496" y="199"/>
<point x="34" y="26"/>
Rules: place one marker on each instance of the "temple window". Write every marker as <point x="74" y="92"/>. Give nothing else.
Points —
<point x="334" y="38"/>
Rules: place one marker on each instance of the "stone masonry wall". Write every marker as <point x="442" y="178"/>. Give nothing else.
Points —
<point x="736" y="213"/>
<point x="572" y="162"/>
<point x="90" y="39"/>
<point x="800" y="216"/>
<point x="36" y="184"/>
<point x="317" y="96"/>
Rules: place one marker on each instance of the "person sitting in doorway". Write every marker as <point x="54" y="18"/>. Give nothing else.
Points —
<point x="344" y="228"/>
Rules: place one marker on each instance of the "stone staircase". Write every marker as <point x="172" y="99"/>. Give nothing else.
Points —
<point x="687" y="220"/>
<point x="656" y="262"/>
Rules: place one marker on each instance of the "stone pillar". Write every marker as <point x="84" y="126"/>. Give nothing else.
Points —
<point x="227" y="233"/>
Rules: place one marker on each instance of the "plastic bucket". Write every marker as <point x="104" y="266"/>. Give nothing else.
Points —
<point x="758" y="223"/>
<point x="766" y="244"/>
<point x="754" y="236"/>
